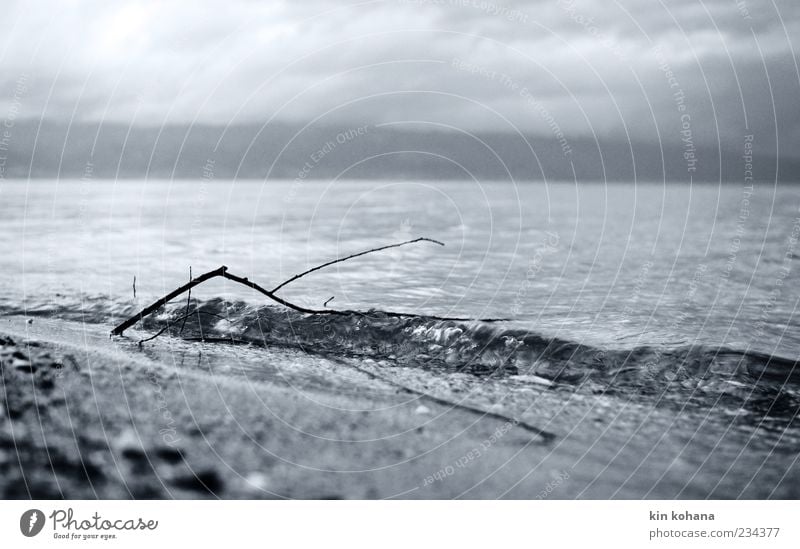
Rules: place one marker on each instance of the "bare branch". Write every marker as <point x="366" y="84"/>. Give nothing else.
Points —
<point x="359" y="254"/>
<point x="161" y="302"/>
<point x="220" y="272"/>
<point x="223" y="272"/>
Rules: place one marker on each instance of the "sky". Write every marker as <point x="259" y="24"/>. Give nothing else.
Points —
<point x="632" y="69"/>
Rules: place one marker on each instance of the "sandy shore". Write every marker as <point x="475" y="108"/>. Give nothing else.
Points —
<point x="84" y="416"/>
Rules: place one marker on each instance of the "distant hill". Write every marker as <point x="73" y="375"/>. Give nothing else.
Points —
<point x="280" y="152"/>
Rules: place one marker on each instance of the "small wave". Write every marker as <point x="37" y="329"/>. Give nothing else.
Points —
<point x="479" y="348"/>
<point x="694" y="373"/>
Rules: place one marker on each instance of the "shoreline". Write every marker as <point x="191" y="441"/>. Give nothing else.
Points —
<point x="83" y="416"/>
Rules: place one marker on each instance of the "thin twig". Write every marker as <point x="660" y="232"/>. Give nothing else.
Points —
<point x="359" y="254"/>
<point x="331" y="298"/>
<point x="546" y="436"/>
<point x="134" y="286"/>
<point x="230" y="340"/>
<point x="300" y="309"/>
<point x="188" y="303"/>
<point x="179" y="319"/>
<point x="161" y="331"/>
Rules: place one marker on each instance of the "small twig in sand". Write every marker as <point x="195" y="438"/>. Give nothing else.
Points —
<point x="152" y="337"/>
<point x="230" y="340"/>
<point x="134" y="286"/>
<point x="546" y="436"/>
<point x="188" y="303"/>
<point x="331" y="298"/>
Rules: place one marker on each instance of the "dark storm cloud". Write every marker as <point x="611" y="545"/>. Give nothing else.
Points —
<point x="594" y="67"/>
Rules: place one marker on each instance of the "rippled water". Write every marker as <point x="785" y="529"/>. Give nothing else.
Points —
<point x="609" y="265"/>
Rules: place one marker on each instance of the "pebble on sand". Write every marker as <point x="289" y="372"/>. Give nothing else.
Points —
<point x="129" y="445"/>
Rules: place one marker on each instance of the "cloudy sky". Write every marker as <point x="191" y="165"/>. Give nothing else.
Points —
<point x="584" y="67"/>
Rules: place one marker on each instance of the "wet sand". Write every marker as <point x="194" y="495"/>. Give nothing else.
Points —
<point x="85" y="416"/>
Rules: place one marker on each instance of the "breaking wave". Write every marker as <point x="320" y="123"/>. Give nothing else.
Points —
<point x="698" y="374"/>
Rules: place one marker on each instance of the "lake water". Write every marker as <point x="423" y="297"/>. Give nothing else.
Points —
<point x="677" y="297"/>
<point x="606" y="264"/>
